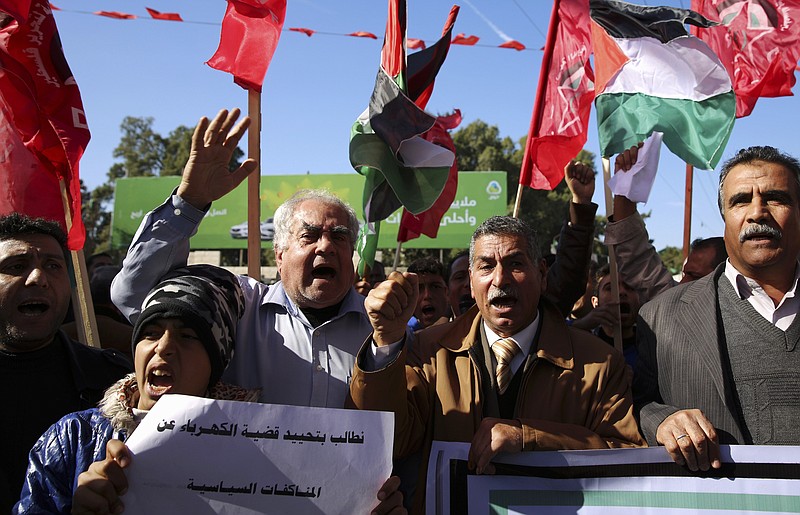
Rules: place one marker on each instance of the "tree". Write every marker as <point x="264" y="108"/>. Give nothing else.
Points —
<point x="480" y="147"/>
<point x="672" y="257"/>
<point x="142" y="153"/>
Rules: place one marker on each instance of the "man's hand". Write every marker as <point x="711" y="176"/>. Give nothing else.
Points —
<point x="625" y="160"/>
<point x="623" y="206"/>
<point x="580" y="181"/>
<point x="605" y="315"/>
<point x="206" y="176"/>
<point x="99" y="487"/>
<point x="391" y="499"/>
<point x="390" y="306"/>
<point x="493" y="435"/>
<point x="690" y="439"/>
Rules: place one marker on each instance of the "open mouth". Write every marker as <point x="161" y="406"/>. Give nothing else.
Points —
<point x="503" y="302"/>
<point x="624" y="308"/>
<point x="323" y="272"/>
<point x="33" y="308"/>
<point x="759" y="236"/>
<point x="159" y="382"/>
<point x="428" y="310"/>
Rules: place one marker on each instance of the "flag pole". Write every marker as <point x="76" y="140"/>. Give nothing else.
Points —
<point x="539" y="101"/>
<point x="612" y="256"/>
<point x="517" y="201"/>
<point x="687" y="212"/>
<point x="397" y="256"/>
<point x="81" y="295"/>
<point x="254" y="186"/>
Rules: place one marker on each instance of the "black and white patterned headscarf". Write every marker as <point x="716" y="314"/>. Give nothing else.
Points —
<point x="206" y="298"/>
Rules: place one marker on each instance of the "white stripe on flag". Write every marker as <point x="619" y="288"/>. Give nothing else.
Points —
<point x="684" y="68"/>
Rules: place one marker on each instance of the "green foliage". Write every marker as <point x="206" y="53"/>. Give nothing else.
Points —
<point x="480" y="147"/>
<point x="672" y="257"/>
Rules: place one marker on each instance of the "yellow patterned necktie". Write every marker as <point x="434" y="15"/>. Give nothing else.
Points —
<point x="504" y="350"/>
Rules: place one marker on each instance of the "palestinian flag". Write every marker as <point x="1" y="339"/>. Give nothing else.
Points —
<point x="651" y="75"/>
<point x="386" y="144"/>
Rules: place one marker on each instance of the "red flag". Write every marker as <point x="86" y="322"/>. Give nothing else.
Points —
<point x="307" y="32"/>
<point x="116" y="15"/>
<point x="415" y="44"/>
<point x="427" y="222"/>
<point x="461" y="39"/>
<point x="516" y="45"/>
<point x="164" y="16"/>
<point x="43" y="130"/>
<point x="362" y="34"/>
<point x="250" y="33"/>
<point x="563" y="98"/>
<point x="758" y="41"/>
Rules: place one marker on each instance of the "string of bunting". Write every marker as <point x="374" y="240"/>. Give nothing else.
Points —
<point x="411" y="43"/>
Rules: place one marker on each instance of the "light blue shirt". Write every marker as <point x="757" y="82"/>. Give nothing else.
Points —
<point x="277" y="349"/>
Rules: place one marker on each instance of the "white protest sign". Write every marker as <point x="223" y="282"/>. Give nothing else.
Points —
<point x="198" y="456"/>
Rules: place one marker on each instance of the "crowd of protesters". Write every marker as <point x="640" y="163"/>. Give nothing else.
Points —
<point x="495" y="348"/>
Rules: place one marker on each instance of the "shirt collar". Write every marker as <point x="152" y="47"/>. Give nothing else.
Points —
<point x="523" y="339"/>
<point x="353" y="301"/>
<point x="745" y="286"/>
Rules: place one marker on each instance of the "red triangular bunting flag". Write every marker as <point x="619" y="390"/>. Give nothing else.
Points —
<point x="164" y="16"/>
<point x="116" y="15"/>
<point x="516" y="45"/>
<point x="307" y="32"/>
<point x="415" y="44"/>
<point x="362" y="34"/>
<point x="461" y="39"/>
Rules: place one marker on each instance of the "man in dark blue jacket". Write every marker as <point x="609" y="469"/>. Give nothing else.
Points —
<point x="43" y="374"/>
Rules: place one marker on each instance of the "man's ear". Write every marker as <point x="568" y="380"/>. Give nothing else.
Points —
<point x="595" y="301"/>
<point x="278" y="259"/>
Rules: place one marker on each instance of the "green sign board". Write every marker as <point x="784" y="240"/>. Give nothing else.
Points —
<point x="479" y="196"/>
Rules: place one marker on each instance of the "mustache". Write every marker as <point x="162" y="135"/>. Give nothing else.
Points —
<point x="507" y="292"/>
<point x="759" y="230"/>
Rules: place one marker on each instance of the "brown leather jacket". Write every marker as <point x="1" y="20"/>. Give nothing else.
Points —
<point x="575" y="392"/>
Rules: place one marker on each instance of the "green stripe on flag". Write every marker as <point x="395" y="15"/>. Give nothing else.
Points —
<point x="697" y="132"/>
<point x="501" y="500"/>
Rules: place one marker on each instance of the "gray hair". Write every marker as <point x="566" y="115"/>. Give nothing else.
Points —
<point x="507" y="226"/>
<point x="284" y="215"/>
<point x="751" y="154"/>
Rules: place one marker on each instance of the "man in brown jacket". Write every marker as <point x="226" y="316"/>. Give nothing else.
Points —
<point x="507" y="376"/>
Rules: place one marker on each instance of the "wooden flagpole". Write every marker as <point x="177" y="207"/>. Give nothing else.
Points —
<point x="612" y="256"/>
<point x="687" y="212"/>
<point x="397" y="256"/>
<point x="81" y="295"/>
<point x="518" y="201"/>
<point x="254" y="186"/>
